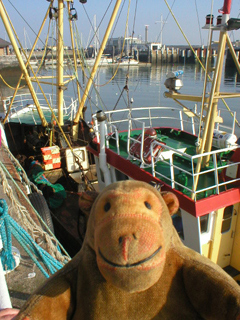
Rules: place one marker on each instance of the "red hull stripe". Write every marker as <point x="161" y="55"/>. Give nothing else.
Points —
<point x="197" y="209"/>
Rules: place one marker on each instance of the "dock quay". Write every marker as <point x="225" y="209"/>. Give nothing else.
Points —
<point x="175" y="54"/>
<point x="165" y="55"/>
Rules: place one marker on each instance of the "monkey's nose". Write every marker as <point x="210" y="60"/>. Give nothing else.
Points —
<point x="124" y="242"/>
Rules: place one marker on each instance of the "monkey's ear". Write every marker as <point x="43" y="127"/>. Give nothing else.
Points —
<point x="171" y="201"/>
<point x="86" y="200"/>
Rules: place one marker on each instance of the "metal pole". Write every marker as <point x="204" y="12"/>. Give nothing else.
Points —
<point x="74" y="54"/>
<point x="5" y="301"/>
<point x="60" y="63"/>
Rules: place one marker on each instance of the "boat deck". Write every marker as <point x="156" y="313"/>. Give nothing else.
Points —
<point x="177" y="161"/>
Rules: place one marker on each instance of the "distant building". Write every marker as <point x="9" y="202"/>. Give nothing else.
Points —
<point x="54" y="48"/>
<point x="4" y="47"/>
<point x="115" y="44"/>
<point x="155" y="46"/>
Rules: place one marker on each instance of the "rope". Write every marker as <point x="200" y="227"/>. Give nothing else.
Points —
<point x="199" y="27"/>
<point x="95" y="32"/>
<point x="118" y="65"/>
<point x="24" y="20"/>
<point x="21" y="171"/>
<point x="28" y="244"/>
<point x="22" y="213"/>
<point x="6" y="255"/>
<point x="8" y="85"/>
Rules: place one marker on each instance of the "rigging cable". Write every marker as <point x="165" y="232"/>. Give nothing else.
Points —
<point x="196" y="56"/>
<point x="96" y="31"/>
<point x="8" y="85"/>
<point x="127" y="75"/>
<point x="126" y="26"/>
<point x="96" y="85"/>
<point x="25" y="20"/>
<point x="23" y="51"/>
<point x="165" y="21"/>
<point x="198" y="23"/>
<point x="122" y="45"/>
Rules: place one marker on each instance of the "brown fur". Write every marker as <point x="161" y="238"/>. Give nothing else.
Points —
<point x="175" y="283"/>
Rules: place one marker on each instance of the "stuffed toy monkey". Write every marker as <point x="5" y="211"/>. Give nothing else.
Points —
<point x="133" y="266"/>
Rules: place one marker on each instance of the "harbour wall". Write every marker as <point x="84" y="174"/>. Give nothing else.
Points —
<point x="165" y="55"/>
<point x="9" y="61"/>
<point x="175" y="55"/>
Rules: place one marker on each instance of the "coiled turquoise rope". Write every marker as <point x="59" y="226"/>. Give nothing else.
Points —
<point x="9" y="226"/>
<point x="6" y="255"/>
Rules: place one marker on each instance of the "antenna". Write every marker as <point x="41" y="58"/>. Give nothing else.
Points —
<point x="162" y="22"/>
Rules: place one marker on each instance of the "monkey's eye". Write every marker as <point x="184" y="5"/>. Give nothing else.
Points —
<point x="147" y="205"/>
<point x="107" y="206"/>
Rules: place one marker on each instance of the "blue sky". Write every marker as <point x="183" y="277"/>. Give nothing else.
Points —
<point x="149" y="12"/>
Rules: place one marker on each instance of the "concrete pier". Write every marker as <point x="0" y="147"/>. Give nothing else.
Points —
<point x="174" y="54"/>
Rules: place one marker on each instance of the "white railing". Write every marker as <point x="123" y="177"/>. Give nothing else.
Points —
<point x="167" y="155"/>
<point x="151" y="116"/>
<point x="23" y="107"/>
<point x="213" y="171"/>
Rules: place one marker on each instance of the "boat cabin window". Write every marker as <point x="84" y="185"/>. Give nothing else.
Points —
<point x="227" y="219"/>
<point x="204" y="223"/>
<point x="177" y="222"/>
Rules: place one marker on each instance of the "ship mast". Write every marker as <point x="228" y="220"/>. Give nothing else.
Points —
<point x="60" y="58"/>
<point x="74" y="52"/>
<point x="211" y="116"/>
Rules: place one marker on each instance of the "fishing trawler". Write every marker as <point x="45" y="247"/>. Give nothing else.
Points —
<point x="201" y="167"/>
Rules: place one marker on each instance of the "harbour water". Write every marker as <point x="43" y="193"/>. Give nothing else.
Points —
<point x="145" y="87"/>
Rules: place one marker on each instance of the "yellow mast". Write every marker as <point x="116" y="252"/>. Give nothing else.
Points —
<point x="60" y="62"/>
<point x="74" y="54"/>
<point x="21" y="62"/>
<point x="212" y="107"/>
<point x="206" y="143"/>
<point x="28" y="61"/>
<point x="88" y="86"/>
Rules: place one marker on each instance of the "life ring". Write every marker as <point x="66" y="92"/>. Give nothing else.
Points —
<point x="39" y="203"/>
